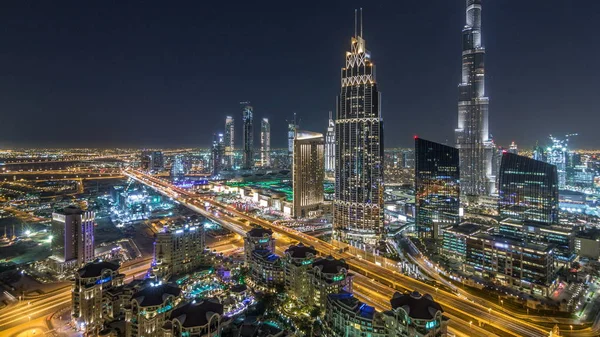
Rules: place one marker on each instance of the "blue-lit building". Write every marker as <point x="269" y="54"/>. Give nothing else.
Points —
<point x="528" y="189"/>
<point x="437" y="187"/>
<point x="266" y="268"/>
<point x="347" y="316"/>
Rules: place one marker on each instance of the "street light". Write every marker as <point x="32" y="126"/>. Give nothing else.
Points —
<point x="470" y="324"/>
<point x="490" y="317"/>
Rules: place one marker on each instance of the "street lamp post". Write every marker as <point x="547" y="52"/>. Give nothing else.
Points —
<point x="490" y="316"/>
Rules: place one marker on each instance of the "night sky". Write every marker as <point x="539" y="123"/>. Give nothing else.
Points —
<point x="165" y="74"/>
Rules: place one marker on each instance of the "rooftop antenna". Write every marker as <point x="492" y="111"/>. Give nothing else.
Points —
<point x="355" y="34"/>
<point x="330" y="114"/>
<point x="361" y="22"/>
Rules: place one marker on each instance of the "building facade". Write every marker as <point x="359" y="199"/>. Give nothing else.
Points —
<point x="308" y="172"/>
<point x="265" y="143"/>
<point x="247" y="136"/>
<point x="472" y="134"/>
<point x="217" y="153"/>
<point x="258" y="238"/>
<point x="415" y="315"/>
<point x="200" y="318"/>
<point x="229" y="140"/>
<point x="330" y="145"/>
<point x="297" y="264"/>
<point x="528" y="189"/>
<point x="178" y="249"/>
<point x="358" y="200"/>
<point x="328" y="276"/>
<point x="347" y="316"/>
<point x="72" y="237"/>
<point x="437" y="188"/>
<point x="149" y="309"/>
<point x="90" y="300"/>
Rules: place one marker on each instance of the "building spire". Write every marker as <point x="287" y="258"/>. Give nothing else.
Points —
<point x="330" y="114"/>
<point x="361" y="23"/>
<point x="355" y="22"/>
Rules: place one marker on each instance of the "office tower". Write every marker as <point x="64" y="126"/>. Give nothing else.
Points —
<point x="308" y="172"/>
<point x="513" y="148"/>
<point x="73" y="237"/>
<point x="149" y="308"/>
<point x="528" y="189"/>
<point x="292" y="127"/>
<point x="556" y="154"/>
<point x="89" y="294"/>
<point x="297" y="262"/>
<point x="358" y="200"/>
<point x="217" y="153"/>
<point x="539" y="153"/>
<point x="265" y="143"/>
<point x="330" y="145"/>
<point x="146" y="160"/>
<point x="437" y="187"/>
<point x="178" y="249"/>
<point x="229" y="140"/>
<point x="157" y="161"/>
<point x="180" y="166"/>
<point x="472" y="135"/>
<point x="247" y="136"/>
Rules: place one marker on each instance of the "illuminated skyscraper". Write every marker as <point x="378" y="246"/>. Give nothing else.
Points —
<point x="358" y="200"/>
<point x="247" y="136"/>
<point x="72" y="237"/>
<point x="528" y="189"/>
<point x="330" y="145"/>
<point x="513" y="148"/>
<point x="308" y="172"/>
<point x="265" y="143"/>
<point x="437" y="187"/>
<point x="229" y="139"/>
<point x="556" y="154"/>
<point x="472" y="135"/>
<point x="292" y="127"/>
<point x="217" y="153"/>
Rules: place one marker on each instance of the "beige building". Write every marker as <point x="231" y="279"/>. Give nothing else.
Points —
<point x="149" y="309"/>
<point x="308" y="173"/>
<point x="179" y="249"/>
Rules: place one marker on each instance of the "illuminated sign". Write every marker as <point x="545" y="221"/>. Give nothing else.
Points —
<point x="338" y="278"/>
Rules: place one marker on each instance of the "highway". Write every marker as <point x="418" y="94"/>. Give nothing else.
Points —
<point x="388" y="280"/>
<point x="46" y="304"/>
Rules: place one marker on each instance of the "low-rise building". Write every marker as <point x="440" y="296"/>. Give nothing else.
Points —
<point x="90" y="302"/>
<point x="266" y="268"/>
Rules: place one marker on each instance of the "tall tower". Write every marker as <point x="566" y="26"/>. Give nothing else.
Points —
<point x="229" y="139"/>
<point x="265" y="143"/>
<point x="308" y="172"/>
<point x="73" y="229"/>
<point x="292" y="127"/>
<point x="330" y="145"/>
<point x="358" y="201"/>
<point x="218" y="150"/>
<point x="247" y="136"/>
<point x="472" y="135"/>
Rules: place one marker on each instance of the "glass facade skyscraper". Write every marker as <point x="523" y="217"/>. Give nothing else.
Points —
<point x="217" y="153"/>
<point x="437" y="187"/>
<point x="265" y="143"/>
<point x="528" y="189"/>
<point x="358" y="201"/>
<point x="229" y="139"/>
<point x="472" y="134"/>
<point x="330" y="145"/>
<point x="247" y="136"/>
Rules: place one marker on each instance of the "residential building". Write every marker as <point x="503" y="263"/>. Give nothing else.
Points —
<point x="217" y="153"/>
<point x="347" y="316"/>
<point x="328" y="276"/>
<point x="179" y="249"/>
<point x="437" y="188"/>
<point x="415" y="315"/>
<point x="199" y="318"/>
<point x="308" y="173"/>
<point x="149" y="309"/>
<point x="266" y="268"/>
<point x="90" y="301"/>
<point x="297" y="263"/>
<point x="72" y="241"/>
<point x="258" y="238"/>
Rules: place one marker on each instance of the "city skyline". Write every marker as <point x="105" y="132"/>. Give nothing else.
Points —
<point x="159" y="86"/>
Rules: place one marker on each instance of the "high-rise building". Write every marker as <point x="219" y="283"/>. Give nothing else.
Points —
<point x="308" y="172"/>
<point x="258" y="238"/>
<point x="178" y="248"/>
<point x="145" y="160"/>
<point x="557" y="154"/>
<point x="265" y="143"/>
<point x="513" y="148"/>
<point x="217" y="153"/>
<point x="539" y="153"/>
<point x="528" y="189"/>
<point x="72" y="237"/>
<point x="472" y="135"/>
<point x="330" y="145"/>
<point x="89" y="296"/>
<point x="292" y="127"/>
<point x="247" y="136"/>
<point x="328" y="276"/>
<point x="180" y="166"/>
<point x="297" y="262"/>
<point x="437" y="187"/>
<point x="152" y="161"/>
<point x="229" y="140"/>
<point x="358" y="199"/>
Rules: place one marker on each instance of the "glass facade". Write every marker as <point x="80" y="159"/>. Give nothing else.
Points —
<point x="247" y="136"/>
<point x="437" y="187"/>
<point x="528" y="189"/>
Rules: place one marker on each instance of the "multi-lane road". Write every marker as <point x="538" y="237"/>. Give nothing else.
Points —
<point x="383" y="277"/>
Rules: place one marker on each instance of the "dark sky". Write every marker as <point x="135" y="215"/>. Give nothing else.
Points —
<point x="166" y="73"/>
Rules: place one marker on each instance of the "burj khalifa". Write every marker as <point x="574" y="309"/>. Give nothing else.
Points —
<point x="472" y="135"/>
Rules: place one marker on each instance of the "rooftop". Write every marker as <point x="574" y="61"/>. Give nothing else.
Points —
<point x="417" y="306"/>
<point x="96" y="268"/>
<point x="330" y="265"/>
<point x="259" y="232"/>
<point x="154" y="295"/>
<point x="300" y="251"/>
<point x="196" y="314"/>
<point x="353" y="304"/>
<point x="265" y="255"/>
